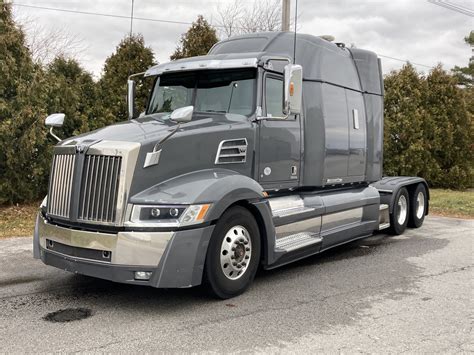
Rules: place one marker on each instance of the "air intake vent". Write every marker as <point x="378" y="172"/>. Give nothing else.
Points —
<point x="60" y="186"/>
<point x="232" y="151"/>
<point x="100" y="183"/>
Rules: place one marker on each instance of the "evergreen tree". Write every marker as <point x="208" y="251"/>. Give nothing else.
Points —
<point x="73" y="92"/>
<point x="452" y="140"/>
<point x="465" y="75"/>
<point x="428" y="128"/>
<point x="23" y="89"/>
<point x="131" y="56"/>
<point x="196" y="41"/>
<point x="405" y="150"/>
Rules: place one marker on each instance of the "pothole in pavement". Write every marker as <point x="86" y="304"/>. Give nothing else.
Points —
<point x="68" y="315"/>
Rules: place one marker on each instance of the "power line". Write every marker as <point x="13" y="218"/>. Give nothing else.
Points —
<point x="405" y="61"/>
<point x="450" y="6"/>
<point x="102" y="14"/>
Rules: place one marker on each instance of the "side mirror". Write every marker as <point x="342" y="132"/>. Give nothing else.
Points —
<point x="293" y="90"/>
<point x="131" y="99"/>
<point x="183" y="114"/>
<point x="55" y="120"/>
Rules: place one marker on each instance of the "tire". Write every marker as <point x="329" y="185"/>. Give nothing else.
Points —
<point x="418" y="205"/>
<point x="401" y="212"/>
<point x="233" y="254"/>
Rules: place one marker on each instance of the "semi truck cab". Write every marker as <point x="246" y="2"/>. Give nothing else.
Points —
<point x="263" y="152"/>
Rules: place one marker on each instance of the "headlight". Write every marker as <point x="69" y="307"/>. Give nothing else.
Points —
<point x="43" y="203"/>
<point x="167" y="216"/>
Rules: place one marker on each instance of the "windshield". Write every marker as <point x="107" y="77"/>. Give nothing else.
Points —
<point x="221" y="91"/>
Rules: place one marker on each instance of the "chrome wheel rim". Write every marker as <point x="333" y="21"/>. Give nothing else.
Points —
<point x="236" y="252"/>
<point x="420" y="203"/>
<point x="402" y="209"/>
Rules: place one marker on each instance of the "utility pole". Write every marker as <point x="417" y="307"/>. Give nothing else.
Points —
<point x="131" y="20"/>
<point x="285" y="15"/>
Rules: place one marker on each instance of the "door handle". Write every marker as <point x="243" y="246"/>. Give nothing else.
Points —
<point x="355" y="116"/>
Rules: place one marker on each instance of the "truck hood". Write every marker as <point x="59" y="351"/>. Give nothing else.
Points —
<point x="139" y="131"/>
<point x="150" y="130"/>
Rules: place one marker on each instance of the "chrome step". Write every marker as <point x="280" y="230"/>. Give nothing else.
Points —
<point x="287" y="206"/>
<point x="297" y="241"/>
<point x="384" y="216"/>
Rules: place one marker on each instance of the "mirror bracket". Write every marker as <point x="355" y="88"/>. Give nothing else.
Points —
<point x="54" y="135"/>
<point x="55" y="120"/>
<point x="276" y="118"/>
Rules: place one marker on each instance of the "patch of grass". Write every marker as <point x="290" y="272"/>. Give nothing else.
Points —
<point x="18" y="221"/>
<point x="451" y="203"/>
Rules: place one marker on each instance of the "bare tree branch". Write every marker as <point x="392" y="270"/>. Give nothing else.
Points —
<point x="45" y="44"/>
<point x="261" y="16"/>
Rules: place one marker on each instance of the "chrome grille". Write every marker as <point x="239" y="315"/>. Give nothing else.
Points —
<point x="99" y="190"/>
<point x="60" y="188"/>
<point x="232" y="151"/>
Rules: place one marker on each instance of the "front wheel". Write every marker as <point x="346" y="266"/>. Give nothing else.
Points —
<point x="233" y="254"/>
<point x="400" y="213"/>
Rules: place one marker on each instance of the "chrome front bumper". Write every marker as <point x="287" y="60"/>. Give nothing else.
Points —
<point x="126" y="248"/>
<point x="176" y="259"/>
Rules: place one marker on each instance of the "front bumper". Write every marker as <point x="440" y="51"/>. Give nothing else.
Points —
<point x="176" y="259"/>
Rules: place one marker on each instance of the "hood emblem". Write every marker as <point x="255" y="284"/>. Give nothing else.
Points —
<point x="81" y="148"/>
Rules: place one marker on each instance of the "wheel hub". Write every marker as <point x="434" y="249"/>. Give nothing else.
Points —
<point x="420" y="202"/>
<point x="236" y="252"/>
<point x="402" y="209"/>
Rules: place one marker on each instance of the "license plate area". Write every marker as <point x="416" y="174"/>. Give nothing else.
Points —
<point x="78" y="252"/>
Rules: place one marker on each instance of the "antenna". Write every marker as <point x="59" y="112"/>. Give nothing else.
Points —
<point x="294" y="40"/>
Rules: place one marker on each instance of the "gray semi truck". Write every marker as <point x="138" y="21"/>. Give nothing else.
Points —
<point x="265" y="151"/>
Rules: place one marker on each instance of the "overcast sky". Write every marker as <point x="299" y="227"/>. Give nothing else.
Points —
<point x="409" y="29"/>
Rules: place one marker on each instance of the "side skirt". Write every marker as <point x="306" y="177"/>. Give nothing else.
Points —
<point x="312" y="250"/>
<point x="309" y="223"/>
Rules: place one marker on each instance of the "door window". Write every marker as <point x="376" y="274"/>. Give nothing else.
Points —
<point x="274" y="97"/>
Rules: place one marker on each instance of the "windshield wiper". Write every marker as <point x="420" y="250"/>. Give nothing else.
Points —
<point x="160" y="118"/>
<point x="216" y="111"/>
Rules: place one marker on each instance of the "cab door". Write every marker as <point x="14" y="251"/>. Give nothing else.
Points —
<point x="280" y="140"/>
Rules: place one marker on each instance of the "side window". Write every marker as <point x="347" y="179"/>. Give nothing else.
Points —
<point x="274" y="97"/>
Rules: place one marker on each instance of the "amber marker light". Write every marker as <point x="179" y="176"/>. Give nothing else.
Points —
<point x="202" y="212"/>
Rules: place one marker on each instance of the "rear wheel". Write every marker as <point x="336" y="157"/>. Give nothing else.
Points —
<point x="418" y="204"/>
<point x="400" y="213"/>
<point x="233" y="254"/>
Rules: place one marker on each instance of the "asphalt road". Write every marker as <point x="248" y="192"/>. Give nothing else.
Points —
<point x="413" y="293"/>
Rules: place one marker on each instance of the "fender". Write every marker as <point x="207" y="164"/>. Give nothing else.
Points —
<point x="389" y="186"/>
<point x="221" y="187"/>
